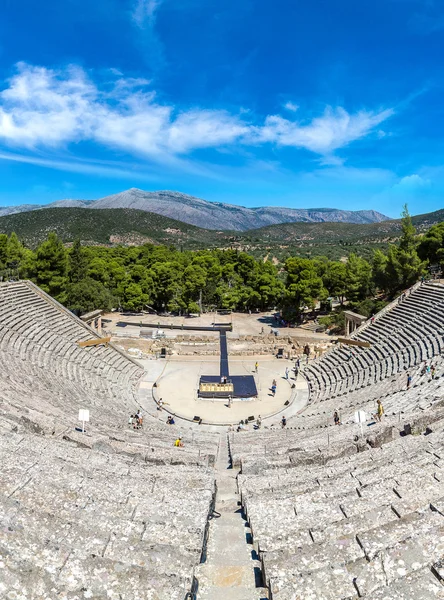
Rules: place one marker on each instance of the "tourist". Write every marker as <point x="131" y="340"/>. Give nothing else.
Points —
<point x="160" y="404"/>
<point x="424" y="369"/>
<point x="130" y="420"/>
<point x="259" y="421"/>
<point x="409" y="380"/>
<point x="336" y="418"/>
<point x="273" y="390"/>
<point x="380" y="410"/>
<point x="433" y="371"/>
<point x="178" y="443"/>
<point x="428" y="369"/>
<point x="283" y="422"/>
<point x="256" y="366"/>
<point x="170" y="420"/>
<point x="262" y="329"/>
<point x="286" y="373"/>
<point x="229" y="401"/>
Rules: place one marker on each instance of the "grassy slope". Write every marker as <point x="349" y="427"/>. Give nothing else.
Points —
<point x="106" y="226"/>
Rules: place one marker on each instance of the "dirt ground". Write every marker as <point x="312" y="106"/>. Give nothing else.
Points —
<point x="256" y="324"/>
<point x="252" y="335"/>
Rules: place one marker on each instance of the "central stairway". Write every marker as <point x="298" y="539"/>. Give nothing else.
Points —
<point x="231" y="570"/>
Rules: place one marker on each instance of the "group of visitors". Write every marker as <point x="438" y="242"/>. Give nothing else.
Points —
<point x="428" y="369"/>
<point x="136" y="421"/>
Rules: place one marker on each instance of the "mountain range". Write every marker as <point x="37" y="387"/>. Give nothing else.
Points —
<point x="130" y="226"/>
<point x="211" y="215"/>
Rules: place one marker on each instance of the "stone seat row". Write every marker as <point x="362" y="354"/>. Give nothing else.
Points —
<point x="401" y="338"/>
<point x="78" y="521"/>
<point x="366" y="525"/>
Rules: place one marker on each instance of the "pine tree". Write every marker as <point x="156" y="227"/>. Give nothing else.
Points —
<point x="51" y="267"/>
<point x="404" y="267"/>
<point x="78" y="263"/>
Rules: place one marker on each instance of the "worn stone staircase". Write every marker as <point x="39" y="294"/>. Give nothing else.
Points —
<point x="231" y="569"/>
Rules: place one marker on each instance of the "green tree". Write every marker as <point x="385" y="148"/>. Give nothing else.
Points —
<point x="15" y="249"/>
<point x="357" y="278"/>
<point x="86" y="295"/>
<point x="335" y="279"/>
<point x="379" y="270"/>
<point x="78" y="262"/>
<point x="303" y="285"/>
<point x="51" y="267"/>
<point x="404" y="267"/>
<point x="3" y="250"/>
<point x="134" y="298"/>
<point x="431" y="247"/>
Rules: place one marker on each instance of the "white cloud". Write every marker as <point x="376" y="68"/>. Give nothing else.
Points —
<point x="44" y="108"/>
<point x="406" y="189"/>
<point x="291" y="106"/>
<point x="144" y="12"/>
<point x="412" y="183"/>
<point x="335" y="129"/>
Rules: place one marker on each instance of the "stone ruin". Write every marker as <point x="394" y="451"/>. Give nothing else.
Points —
<point x="330" y="512"/>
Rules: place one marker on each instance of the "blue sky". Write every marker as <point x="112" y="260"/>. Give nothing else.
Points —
<point x="307" y="104"/>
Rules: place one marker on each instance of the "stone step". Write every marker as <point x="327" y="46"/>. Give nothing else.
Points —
<point x="227" y="576"/>
<point x="214" y="593"/>
<point x="420" y="586"/>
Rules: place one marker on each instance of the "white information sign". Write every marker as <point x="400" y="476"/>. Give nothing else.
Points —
<point x="84" y="417"/>
<point x="360" y="416"/>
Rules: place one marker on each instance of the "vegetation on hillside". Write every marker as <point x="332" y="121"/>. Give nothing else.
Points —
<point x="113" y="227"/>
<point x="106" y="226"/>
<point x="168" y="279"/>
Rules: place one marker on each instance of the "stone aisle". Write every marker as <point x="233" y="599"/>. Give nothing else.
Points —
<point x="230" y="571"/>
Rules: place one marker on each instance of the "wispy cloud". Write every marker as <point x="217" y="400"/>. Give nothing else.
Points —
<point x="114" y="171"/>
<point x="144" y="12"/>
<point x="50" y="109"/>
<point x="291" y="106"/>
<point x="335" y="129"/>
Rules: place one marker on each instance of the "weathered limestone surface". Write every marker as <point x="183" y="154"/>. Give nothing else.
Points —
<point x="90" y="525"/>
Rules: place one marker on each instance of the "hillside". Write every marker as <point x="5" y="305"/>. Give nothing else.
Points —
<point x="211" y="215"/>
<point x="107" y="226"/>
<point x="130" y="226"/>
<point x="334" y="232"/>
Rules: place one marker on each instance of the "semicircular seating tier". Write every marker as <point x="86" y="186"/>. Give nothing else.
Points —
<point x="403" y="336"/>
<point x="113" y="512"/>
<point x="340" y="512"/>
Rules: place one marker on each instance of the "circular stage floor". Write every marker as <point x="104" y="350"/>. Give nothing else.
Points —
<point x="178" y="383"/>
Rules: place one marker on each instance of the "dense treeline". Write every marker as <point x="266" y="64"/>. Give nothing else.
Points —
<point x="166" y="279"/>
